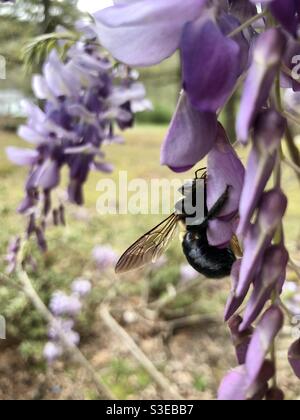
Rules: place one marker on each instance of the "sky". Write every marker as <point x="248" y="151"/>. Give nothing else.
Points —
<point x="91" y="6"/>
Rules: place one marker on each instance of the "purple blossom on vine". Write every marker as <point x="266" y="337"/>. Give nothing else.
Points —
<point x="85" y="98"/>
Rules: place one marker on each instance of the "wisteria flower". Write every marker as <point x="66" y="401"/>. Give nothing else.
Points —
<point x="62" y="304"/>
<point x="84" y="98"/>
<point x="105" y="257"/>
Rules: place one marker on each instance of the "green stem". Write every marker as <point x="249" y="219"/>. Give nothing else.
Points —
<point x="247" y="23"/>
<point x="293" y="149"/>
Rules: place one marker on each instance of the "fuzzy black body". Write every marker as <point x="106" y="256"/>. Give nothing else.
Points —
<point x="212" y="262"/>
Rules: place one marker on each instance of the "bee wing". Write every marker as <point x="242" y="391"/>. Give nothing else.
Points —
<point x="236" y="247"/>
<point x="150" y="247"/>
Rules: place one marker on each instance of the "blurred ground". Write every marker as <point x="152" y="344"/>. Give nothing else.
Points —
<point x="194" y="358"/>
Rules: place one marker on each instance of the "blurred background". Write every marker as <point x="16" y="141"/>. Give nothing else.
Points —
<point x="175" y="317"/>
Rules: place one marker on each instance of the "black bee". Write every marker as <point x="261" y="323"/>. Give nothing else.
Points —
<point x="210" y="261"/>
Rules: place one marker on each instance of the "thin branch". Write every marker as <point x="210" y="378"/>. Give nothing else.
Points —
<point x="294" y="267"/>
<point x="286" y="310"/>
<point x="138" y="354"/>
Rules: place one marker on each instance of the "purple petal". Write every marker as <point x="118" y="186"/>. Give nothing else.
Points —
<point x="227" y="24"/>
<point x="266" y="60"/>
<point x="225" y="169"/>
<point x="234" y="302"/>
<point x="191" y="136"/>
<point x="240" y="340"/>
<point x="22" y="157"/>
<point x="258" y="389"/>
<point x="263" y="337"/>
<point x="220" y="233"/>
<point x="268" y="132"/>
<point x="234" y="385"/>
<point x="272" y="208"/>
<point x="143" y="33"/>
<point x="204" y="51"/>
<point x="237" y="387"/>
<point x="294" y="358"/>
<point x="285" y="12"/>
<point x="275" y="262"/>
<point x="259" y="236"/>
<point x="30" y="135"/>
<point x="48" y="176"/>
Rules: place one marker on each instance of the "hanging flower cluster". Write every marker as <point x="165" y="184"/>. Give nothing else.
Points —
<point x="84" y="97"/>
<point x="224" y="44"/>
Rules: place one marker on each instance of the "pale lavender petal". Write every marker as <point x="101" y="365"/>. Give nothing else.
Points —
<point x="30" y="135"/>
<point x="41" y="88"/>
<point x="227" y="24"/>
<point x="81" y="287"/>
<point x="52" y="351"/>
<point x="143" y="33"/>
<point x="22" y="157"/>
<point x="62" y="304"/>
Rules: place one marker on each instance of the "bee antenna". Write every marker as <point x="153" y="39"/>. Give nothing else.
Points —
<point x="198" y="171"/>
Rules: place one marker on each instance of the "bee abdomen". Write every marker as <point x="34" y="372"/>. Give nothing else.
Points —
<point x="210" y="261"/>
